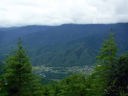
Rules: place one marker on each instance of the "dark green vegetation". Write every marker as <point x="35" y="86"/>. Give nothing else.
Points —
<point x="108" y="78"/>
<point x="17" y="78"/>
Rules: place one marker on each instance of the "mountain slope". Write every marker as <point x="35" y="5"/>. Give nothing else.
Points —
<point x="65" y="45"/>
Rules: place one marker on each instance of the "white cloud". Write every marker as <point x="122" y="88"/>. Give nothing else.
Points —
<point x="55" y="12"/>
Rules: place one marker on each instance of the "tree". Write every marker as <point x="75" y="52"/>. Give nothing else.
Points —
<point x="104" y="70"/>
<point x="18" y="74"/>
<point x="122" y="73"/>
<point x="2" y="89"/>
<point x="108" y="51"/>
<point x="74" y="85"/>
<point x="120" y="76"/>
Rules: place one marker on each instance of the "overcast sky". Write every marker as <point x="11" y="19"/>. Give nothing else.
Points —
<point x="56" y="12"/>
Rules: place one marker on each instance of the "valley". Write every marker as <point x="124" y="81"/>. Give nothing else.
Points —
<point x="58" y="51"/>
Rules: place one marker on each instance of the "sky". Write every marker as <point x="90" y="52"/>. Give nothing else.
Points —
<point x="57" y="12"/>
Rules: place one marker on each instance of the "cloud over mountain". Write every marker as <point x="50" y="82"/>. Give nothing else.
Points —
<point x="55" y="12"/>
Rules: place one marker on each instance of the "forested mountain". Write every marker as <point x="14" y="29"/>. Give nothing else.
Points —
<point x="63" y="58"/>
<point x="108" y="77"/>
<point x="64" y="45"/>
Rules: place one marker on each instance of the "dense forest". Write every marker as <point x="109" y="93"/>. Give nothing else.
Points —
<point x="108" y="78"/>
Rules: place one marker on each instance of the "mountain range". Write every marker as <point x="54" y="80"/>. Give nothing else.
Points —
<point x="64" y="45"/>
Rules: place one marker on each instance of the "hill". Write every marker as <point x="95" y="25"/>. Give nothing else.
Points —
<point x="62" y="46"/>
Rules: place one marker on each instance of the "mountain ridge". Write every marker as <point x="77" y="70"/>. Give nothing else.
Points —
<point x="64" y="45"/>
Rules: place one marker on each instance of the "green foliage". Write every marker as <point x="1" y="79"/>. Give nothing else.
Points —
<point x="106" y="62"/>
<point x="109" y="77"/>
<point x="18" y="75"/>
<point x="122" y="93"/>
<point x="120" y="78"/>
<point x="122" y="72"/>
<point x="74" y="85"/>
<point x="108" y="51"/>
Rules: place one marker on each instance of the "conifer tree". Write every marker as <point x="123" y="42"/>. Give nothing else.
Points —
<point x="18" y="74"/>
<point x="108" y="51"/>
<point x="104" y="70"/>
<point x="120" y="77"/>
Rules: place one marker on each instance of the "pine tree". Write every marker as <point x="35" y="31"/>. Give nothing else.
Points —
<point x="120" y="76"/>
<point x="104" y="70"/>
<point x="108" y="51"/>
<point x="18" y="74"/>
